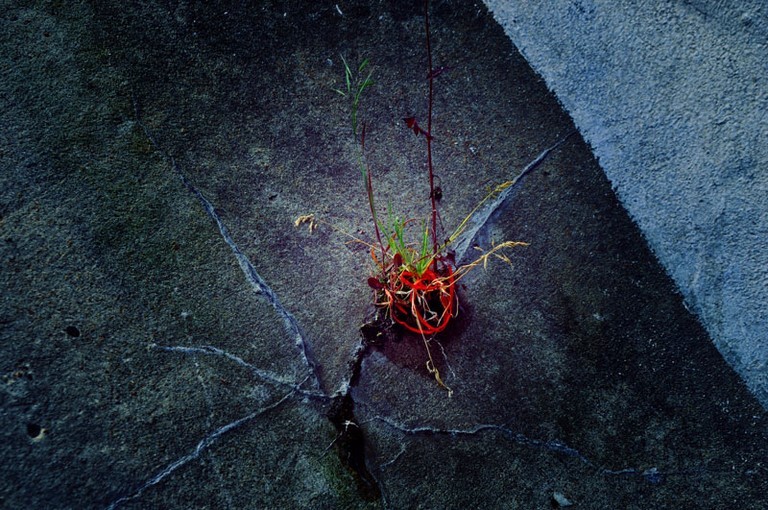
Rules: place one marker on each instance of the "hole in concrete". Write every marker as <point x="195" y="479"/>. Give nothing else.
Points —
<point x="34" y="430"/>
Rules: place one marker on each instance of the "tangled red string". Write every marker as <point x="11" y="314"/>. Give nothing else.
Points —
<point x="421" y="303"/>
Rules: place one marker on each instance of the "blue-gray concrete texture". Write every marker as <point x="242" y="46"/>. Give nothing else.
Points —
<point x="673" y="98"/>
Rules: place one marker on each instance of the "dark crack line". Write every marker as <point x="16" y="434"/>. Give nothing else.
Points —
<point x="199" y="449"/>
<point x="517" y="437"/>
<point x="651" y="475"/>
<point x="350" y="440"/>
<point x="256" y="281"/>
<point x="482" y="217"/>
<point x="353" y="373"/>
<point x="342" y="404"/>
<point x="264" y="375"/>
<point x="258" y="284"/>
<point x="350" y="445"/>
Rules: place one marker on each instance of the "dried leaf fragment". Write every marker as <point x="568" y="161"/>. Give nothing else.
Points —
<point x="306" y="218"/>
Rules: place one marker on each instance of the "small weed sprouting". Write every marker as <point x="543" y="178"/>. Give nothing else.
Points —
<point x="414" y="282"/>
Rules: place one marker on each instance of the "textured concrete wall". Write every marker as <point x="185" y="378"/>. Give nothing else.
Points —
<point x="673" y="98"/>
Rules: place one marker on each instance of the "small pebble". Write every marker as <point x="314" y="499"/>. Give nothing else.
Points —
<point x="561" y="500"/>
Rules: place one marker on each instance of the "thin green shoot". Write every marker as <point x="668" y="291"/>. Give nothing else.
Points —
<point x="415" y="257"/>
<point x="355" y="89"/>
<point x="424" y="260"/>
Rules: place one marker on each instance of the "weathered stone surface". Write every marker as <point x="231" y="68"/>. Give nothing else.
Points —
<point x="672" y="97"/>
<point x="154" y="159"/>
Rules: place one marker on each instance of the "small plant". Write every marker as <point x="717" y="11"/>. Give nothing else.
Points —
<point x="354" y="91"/>
<point x="414" y="282"/>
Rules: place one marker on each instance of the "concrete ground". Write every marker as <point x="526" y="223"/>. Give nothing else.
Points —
<point x="169" y="339"/>
<point x="673" y="99"/>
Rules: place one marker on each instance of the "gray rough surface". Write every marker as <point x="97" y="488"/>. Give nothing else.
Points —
<point x="182" y="344"/>
<point x="672" y="96"/>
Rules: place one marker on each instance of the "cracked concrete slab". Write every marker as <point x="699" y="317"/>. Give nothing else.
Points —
<point x="171" y="340"/>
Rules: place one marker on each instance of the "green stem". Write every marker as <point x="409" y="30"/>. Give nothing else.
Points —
<point x="429" y="137"/>
<point x="367" y="181"/>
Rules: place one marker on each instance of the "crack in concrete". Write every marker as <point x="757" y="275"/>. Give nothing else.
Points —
<point x="256" y="281"/>
<point x="355" y="361"/>
<point x="258" y="284"/>
<point x="652" y="475"/>
<point x="351" y="435"/>
<point x="350" y="441"/>
<point x="264" y="375"/>
<point x="483" y="217"/>
<point x="517" y="437"/>
<point x="200" y="448"/>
